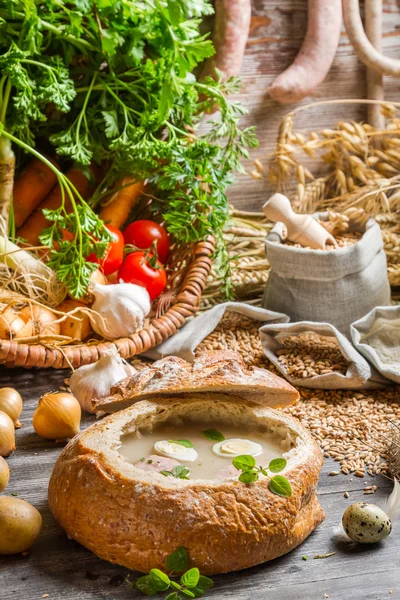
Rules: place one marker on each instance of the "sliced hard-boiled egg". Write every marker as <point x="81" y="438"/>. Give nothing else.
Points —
<point x="176" y="451"/>
<point x="236" y="447"/>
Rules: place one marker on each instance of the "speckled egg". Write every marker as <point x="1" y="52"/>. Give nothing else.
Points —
<point x="366" y="523"/>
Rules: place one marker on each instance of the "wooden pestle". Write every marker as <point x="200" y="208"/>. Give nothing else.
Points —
<point x="301" y="229"/>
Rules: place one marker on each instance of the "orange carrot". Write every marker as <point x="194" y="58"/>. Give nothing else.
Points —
<point x="7" y="164"/>
<point x="31" y="187"/>
<point x="37" y="222"/>
<point x="118" y="207"/>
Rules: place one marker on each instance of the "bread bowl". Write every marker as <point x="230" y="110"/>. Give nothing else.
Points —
<point x="136" y="518"/>
<point x="217" y="372"/>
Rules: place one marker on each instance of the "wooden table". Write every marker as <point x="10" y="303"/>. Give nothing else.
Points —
<point x="63" y="569"/>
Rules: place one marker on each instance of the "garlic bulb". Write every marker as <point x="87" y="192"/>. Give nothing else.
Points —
<point x="11" y="404"/>
<point x="95" y="380"/>
<point x="57" y="416"/>
<point x="121" y="309"/>
<point x="4" y="474"/>
<point x="7" y="434"/>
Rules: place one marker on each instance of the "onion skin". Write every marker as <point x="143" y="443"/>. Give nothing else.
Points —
<point x="57" y="416"/>
<point x="4" y="474"/>
<point x="7" y="435"/>
<point x="11" y="404"/>
<point x="13" y="326"/>
<point x="78" y="330"/>
<point x="42" y="319"/>
<point x="20" y="525"/>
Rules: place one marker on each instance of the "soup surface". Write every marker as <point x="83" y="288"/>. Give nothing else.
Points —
<point x="157" y="451"/>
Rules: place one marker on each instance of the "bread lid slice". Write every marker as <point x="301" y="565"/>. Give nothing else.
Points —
<point x="217" y="372"/>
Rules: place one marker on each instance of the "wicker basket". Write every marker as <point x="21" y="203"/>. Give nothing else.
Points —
<point x="188" y="270"/>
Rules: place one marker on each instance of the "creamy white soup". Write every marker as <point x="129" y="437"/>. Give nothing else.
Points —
<point x="168" y="446"/>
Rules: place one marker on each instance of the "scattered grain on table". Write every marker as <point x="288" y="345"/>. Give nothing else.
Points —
<point x="351" y="427"/>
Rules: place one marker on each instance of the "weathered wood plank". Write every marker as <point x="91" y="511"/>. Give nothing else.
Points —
<point x="65" y="570"/>
<point x="277" y="31"/>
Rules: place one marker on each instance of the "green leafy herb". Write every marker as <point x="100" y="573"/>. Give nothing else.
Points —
<point x="244" y="462"/>
<point x="250" y="473"/>
<point x="178" y="560"/>
<point x="190" y="585"/>
<point x="160" y="580"/>
<point x="213" y="435"/>
<point x="277" y="465"/>
<point x="191" y="578"/>
<point x="180" y="472"/>
<point x="185" y="443"/>
<point x="280" y="486"/>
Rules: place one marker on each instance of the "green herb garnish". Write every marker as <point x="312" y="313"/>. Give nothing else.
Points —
<point x="278" y="484"/>
<point x="180" y="472"/>
<point x="213" y="435"/>
<point x="185" y="443"/>
<point x="190" y="585"/>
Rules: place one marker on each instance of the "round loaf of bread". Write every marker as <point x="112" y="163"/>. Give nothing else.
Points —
<point x="136" y="518"/>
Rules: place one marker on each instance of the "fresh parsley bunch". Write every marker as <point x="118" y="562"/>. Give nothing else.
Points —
<point x="113" y="81"/>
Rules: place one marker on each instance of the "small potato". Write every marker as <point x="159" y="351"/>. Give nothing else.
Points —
<point x="79" y="330"/>
<point x="20" y="525"/>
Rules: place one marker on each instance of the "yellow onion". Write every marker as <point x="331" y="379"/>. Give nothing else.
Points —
<point x="78" y="328"/>
<point x="7" y="434"/>
<point x="4" y="474"/>
<point x="42" y="319"/>
<point x="57" y="416"/>
<point x="11" y="404"/>
<point x="12" y="325"/>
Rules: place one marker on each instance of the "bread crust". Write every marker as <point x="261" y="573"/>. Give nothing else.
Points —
<point x="219" y="372"/>
<point x="136" y="518"/>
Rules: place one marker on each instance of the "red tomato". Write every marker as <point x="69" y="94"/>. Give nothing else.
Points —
<point x="143" y="233"/>
<point x="114" y="256"/>
<point x="136" y="269"/>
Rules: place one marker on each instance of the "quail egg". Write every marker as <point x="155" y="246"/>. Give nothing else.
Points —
<point x="366" y="523"/>
<point x="172" y="449"/>
<point x="236" y="447"/>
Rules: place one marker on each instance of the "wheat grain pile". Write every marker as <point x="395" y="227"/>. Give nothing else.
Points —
<point x="351" y="427"/>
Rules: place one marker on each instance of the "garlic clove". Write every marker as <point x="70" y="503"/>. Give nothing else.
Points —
<point x="11" y="404"/>
<point x="57" y="416"/>
<point x="120" y="309"/>
<point x="95" y="380"/>
<point x="7" y="435"/>
<point x="4" y="474"/>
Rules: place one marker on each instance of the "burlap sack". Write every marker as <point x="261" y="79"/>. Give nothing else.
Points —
<point x="359" y="375"/>
<point x="377" y="337"/>
<point x="335" y="286"/>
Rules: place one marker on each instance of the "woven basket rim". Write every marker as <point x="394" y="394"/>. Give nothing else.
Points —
<point x="185" y="304"/>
